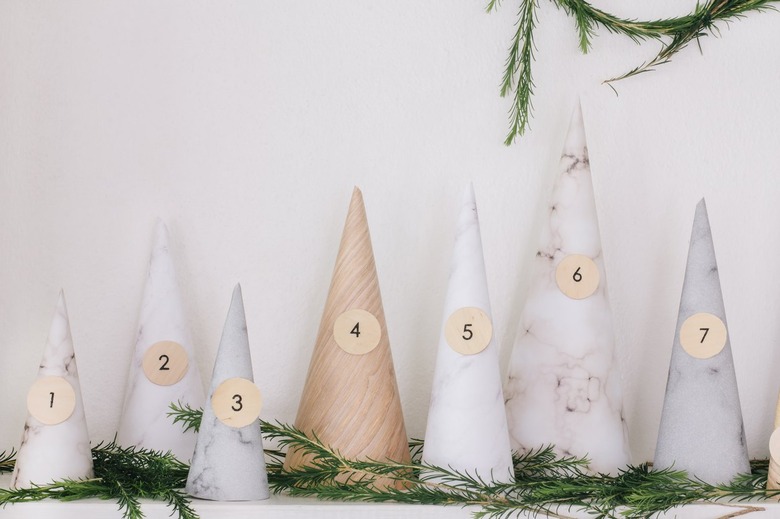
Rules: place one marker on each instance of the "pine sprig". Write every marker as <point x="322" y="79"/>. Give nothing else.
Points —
<point x="122" y="474"/>
<point x="7" y="460"/>
<point x="674" y="33"/>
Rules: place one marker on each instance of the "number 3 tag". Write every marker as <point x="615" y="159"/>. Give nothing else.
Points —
<point x="165" y="363"/>
<point x="468" y="330"/>
<point x="237" y="402"/>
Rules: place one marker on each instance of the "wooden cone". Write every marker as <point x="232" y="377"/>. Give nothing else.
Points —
<point x="351" y="402"/>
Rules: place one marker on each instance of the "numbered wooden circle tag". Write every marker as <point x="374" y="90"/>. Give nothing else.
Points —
<point x="774" y="446"/>
<point x="51" y="400"/>
<point x="357" y="331"/>
<point x="577" y="276"/>
<point x="468" y="330"/>
<point x="237" y="402"/>
<point x="703" y="335"/>
<point x="165" y="363"/>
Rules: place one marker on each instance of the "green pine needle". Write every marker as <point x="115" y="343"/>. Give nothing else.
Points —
<point x="674" y="33"/>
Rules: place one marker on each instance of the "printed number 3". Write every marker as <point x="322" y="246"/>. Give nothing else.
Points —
<point x="237" y="399"/>
<point x="466" y="330"/>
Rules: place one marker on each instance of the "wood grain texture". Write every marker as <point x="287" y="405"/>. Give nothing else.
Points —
<point x="351" y="402"/>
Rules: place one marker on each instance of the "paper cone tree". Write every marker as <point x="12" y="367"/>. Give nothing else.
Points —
<point x="467" y="428"/>
<point x="350" y="399"/>
<point x="163" y="368"/>
<point x="228" y="463"/>
<point x="55" y="443"/>
<point x="564" y="384"/>
<point x="701" y="428"/>
<point x="773" y="476"/>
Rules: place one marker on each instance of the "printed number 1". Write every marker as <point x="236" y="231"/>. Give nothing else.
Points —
<point x="466" y="330"/>
<point x="237" y="399"/>
<point x="577" y="277"/>
<point x="356" y="330"/>
<point x="705" y="330"/>
<point x="51" y="401"/>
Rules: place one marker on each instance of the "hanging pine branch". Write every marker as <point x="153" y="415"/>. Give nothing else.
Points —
<point x="674" y="34"/>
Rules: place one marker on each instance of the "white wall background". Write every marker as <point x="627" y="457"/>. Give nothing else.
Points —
<point x="246" y="124"/>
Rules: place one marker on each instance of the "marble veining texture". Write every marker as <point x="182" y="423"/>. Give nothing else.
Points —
<point x="53" y="452"/>
<point x="228" y="463"/>
<point x="144" y="421"/>
<point x="701" y="428"/>
<point x="467" y="428"/>
<point x="564" y="387"/>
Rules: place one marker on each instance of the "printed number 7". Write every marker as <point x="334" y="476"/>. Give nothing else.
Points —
<point x="705" y="330"/>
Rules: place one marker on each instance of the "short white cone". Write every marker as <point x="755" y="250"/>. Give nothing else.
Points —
<point x="701" y="429"/>
<point x="58" y="451"/>
<point x="564" y="384"/>
<point x="228" y="463"/>
<point x="145" y="422"/>
<point x="467" y="428"/>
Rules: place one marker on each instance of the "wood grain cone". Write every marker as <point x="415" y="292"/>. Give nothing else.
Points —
<point x="351" y="402"/>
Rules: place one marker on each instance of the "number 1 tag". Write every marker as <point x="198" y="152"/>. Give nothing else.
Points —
<point x="51" y="400"/>
<point x="468" y="330"/>
<point x="237" y="402"/>
<point x="165" y="363"/>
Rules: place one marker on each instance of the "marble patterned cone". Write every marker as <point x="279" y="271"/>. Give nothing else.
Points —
<point x="350" y="401"/>
<point x="701" y="428"/>
<point x="773" y="476"/>
<point x="228" y="463"/>
<point x="564" y="384"/>
<point x="467" y="428"/>
<point x="144" y="422"/>
<point x="61" y="451"/>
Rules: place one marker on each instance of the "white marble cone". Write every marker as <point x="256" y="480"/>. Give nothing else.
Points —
<point x="62" y="451"/>
<point x="228" y="462"/>
<point x="144" y="422"/>
<point x="467" y="427"/>
<point x="701" y="428"/>
<point x="564" y="384"/>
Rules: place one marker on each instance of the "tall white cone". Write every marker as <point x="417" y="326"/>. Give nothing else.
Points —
<point x="701" y="428"/>
<point x="228" y="463"/>
<point x="467" y="428"/>
<point x="564" y="385"/>
<point x="54" y="451"/>
<point x="144" y="421"/>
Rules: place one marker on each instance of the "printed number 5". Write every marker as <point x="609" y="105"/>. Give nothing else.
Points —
<point x="466" y="330"/>
<point x="238" y="403"/>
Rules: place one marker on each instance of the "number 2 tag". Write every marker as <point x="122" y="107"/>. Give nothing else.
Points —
<point x="703" y="335"/>
<point x="577" y="276"/>
<point x="468" y="330"/>
<point x="165" y="363"/>
<point x="51" y="400"/>
<point x="237" y="402"/>
<point x="357" y="331"/>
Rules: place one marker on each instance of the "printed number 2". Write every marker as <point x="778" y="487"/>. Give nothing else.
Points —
<point x="238" y="403"/>
<point x="51" y="401"/>
<point x="577" y="277"/>
<point x="356" y="330"/>
<point x="466" y="330"/>
<point x="164" y="366"/>
<point x="705" y="330"/>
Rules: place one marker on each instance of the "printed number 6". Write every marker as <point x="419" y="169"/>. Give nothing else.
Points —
<point x="577" y="277"/>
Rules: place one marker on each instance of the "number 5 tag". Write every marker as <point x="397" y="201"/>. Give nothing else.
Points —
<point x="468" y="330"/>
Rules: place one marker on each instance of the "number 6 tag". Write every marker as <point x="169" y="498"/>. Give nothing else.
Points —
<point x="237" y="402"/>
<point x="577" y="276"/>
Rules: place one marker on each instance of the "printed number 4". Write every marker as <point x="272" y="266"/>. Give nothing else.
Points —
<point x="237" y="399"/>
<point x="356" y="330"/>
<point x="705" y="330"/>
<point x="467" y="330"/>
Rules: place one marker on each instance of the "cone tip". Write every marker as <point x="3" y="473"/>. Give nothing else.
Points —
<point x="701" y="209"/>
<point x="575" y="137"/>
<point x="61" y="299"/>
<point x="237" y="291"/>
<point x="160" y="233"/>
